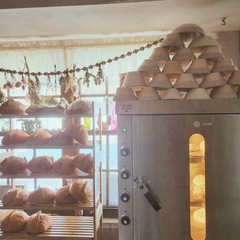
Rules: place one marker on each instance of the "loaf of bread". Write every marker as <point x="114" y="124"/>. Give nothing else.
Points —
<point x="15" y="137"/>
<point x="63" y="196"/>
<point x="14" y="222"/>
<point x="81" y="191"/>
<point x="64" y="165"/>
<point x="12" y="107"/>
<point x="60" y="138"/>
<point x="41" y="195"/>
<point x="40" y="164"/>
<point x="13" y="165"/>
<point x="83" y="162"/>
<point x="39" y="222"/>
<point x="39" y="137"/>
<point x="15" y="197"/>
<point x="78" y="132"/>
<point x="79" y="106"/>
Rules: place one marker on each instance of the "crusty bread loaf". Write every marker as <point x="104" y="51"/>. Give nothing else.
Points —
<point x="39" y="137"/>
<point x="83" y="162"/>
<point x="13" y="165"/>
<point x="63" y="195"/>
<point x="12" y="107"/>
<point x="14" y="222"/>
<point x="60" y="138"/>
<point x="41" y="195"/>
<point x="78" y="132"/>
<point x="15" y="197"/>
<point x="81" y="191"/>
<point x="15" y="137"/>
<point x="79" y="106"/>
<point x="40" y="164"/>
<point x="39" y="222"/>
<point x="64" y="165"/>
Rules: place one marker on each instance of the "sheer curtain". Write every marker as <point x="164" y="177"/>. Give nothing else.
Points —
<point x="42" y="56"/>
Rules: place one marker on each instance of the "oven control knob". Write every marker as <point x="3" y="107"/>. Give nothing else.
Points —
<point x="125" y="219"/>
<point x="125" y="196"/>
<point x="125" y="173"/>
<point x="124" y="151"/>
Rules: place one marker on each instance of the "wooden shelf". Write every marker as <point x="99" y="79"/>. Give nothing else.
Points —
<point x="78" y="206"/>
<point x="29" y="174"/>
<point x="47" y="115"/>
<point x="73" y="227"/>
<point x="89" y="145"/>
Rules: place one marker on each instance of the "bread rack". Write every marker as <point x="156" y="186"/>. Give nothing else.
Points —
<point x="65" y="227"/>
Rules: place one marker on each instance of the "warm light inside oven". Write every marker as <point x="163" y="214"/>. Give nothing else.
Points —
<point x="197" y="187"/>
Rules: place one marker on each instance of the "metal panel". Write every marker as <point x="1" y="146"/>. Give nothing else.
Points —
<point x="125" y="139"/>
<point x="161" y="156"/>
<point x="209" y="106"/>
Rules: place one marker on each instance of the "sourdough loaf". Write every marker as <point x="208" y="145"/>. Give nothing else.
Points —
<point x="14" y="222"/>
<point x="78" y="132"/>
<point x="15" y="197"/>
<point x="41" y="195"/>
<point x="83" y="162"/>
<point x="64" y="165"/>
<point x="15" y="137"/>
<point x="39" y="222"/>
<point x="40" y="164"/>
<point x="63" y="195"/>
<point x="13" y="165"/>
<point x="81" y="191"/>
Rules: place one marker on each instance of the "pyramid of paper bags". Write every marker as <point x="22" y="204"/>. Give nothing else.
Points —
<point x="198" y="71"/>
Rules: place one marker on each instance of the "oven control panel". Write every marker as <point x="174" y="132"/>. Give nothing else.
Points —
<point x="125" y="180"/>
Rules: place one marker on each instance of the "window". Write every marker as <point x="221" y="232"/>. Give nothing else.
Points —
<point x="109" y="139"/>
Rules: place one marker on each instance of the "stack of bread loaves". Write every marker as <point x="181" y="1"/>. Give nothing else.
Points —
<point x="17" y="220"/>
<point x="76" y="191"/>
<point x="40" y="137"/>
<point x="44" y="164"/>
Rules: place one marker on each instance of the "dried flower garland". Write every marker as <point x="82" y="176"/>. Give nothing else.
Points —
<point x="65" y="76"/>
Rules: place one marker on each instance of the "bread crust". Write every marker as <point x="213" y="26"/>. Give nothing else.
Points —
<point x="15" y="137"/>
<point x="78" y="132"/>
<point x="14" y="222"/>
<point x="64" y="165"/>
<point x="81" y="191"/>
<point x="39" y="223"/>
<point x="63" y="196"/>
<point x="12" y="107"/>
<point x="60" y="138"/>
<point x="13" y="165"/>
<point x="83" y="162"/>
<point x="39" y="137"/>
<point x="15" y="197"/>
<point x="41" y="164"/>
<point x="41" y="195"/>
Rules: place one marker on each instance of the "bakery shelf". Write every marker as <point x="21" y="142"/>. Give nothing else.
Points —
<point x="89" y="145"/>
<point x="29" y="174"/>
<point x="47" y="115"/>
<point x="71" y="227"/>
<point x="77" y="206"/>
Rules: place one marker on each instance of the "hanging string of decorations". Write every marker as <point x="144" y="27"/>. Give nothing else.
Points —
<point x="65" y="77"/>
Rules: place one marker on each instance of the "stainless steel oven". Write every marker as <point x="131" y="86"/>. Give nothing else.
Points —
<point x="179" y="170"/>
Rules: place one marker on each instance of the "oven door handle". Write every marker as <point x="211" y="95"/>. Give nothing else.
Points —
<point x="148" y="195"/>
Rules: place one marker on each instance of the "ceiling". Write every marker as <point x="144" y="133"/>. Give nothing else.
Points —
<point x="119" y="19"/>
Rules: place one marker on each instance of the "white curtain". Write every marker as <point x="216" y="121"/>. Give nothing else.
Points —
<point x="42" y="56"/>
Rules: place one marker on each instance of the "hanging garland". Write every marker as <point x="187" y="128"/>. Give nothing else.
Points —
<point x="67" y="79"/>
